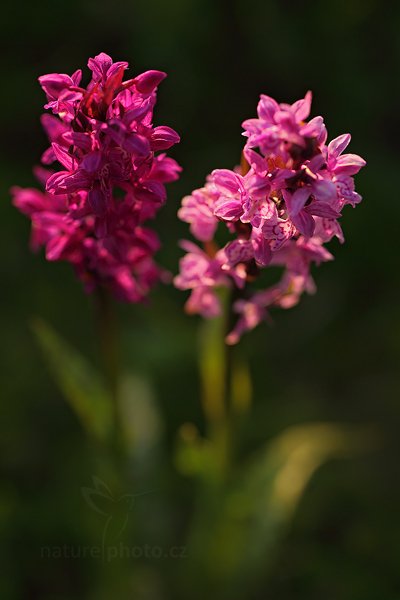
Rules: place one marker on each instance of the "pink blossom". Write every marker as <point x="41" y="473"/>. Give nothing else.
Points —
<point x="281" y="208"/>
<point x="204" y="274"/>
<point x="198" y="210"/>
<point x="111" y="180"/>
<point x="121" y="261"/>
<point x="281" y="125"/>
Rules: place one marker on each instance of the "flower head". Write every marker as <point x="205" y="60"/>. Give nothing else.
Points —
<point x="111" y="181"/>
<point x="280" y="208"/>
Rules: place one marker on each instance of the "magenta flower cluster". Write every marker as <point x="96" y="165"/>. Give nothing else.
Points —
<point x="280" y="207"/>
<point x="93" y="210"/>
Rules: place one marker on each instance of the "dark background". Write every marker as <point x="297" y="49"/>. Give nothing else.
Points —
<point x="334" y="358"/>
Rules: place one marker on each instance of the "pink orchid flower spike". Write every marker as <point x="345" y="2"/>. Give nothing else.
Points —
<point x="111" y="181"/>
<point x="280" y="209"/>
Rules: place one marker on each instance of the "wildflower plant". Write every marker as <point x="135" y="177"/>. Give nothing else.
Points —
<point x="104" y="177"/>
<point x="280" y="207"/>
<point x="111" y="181"/>
<point x="277" y="210"/>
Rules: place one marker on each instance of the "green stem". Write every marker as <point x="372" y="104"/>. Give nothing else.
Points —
<point x="216" y="376"/>
<point x="107" y="330"/>
<point x="230" y="320"/>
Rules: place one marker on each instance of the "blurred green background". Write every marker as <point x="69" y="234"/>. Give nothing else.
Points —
<point x="333" y="358"/>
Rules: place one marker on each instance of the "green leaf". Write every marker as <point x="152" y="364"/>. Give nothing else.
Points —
<point x="140" y="419"/>
<point x="80" y="383"/>
<point x="237" y="542"/>
<point x="274" y="482"/>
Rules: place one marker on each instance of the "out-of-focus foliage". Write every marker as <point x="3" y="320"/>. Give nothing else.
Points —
<point x="256" y="509"/>
<point x="79" y="382"/>
<point x="335" y="358"/>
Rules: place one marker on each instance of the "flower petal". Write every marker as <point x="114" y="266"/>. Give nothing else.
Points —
<point x="336" y="146"/>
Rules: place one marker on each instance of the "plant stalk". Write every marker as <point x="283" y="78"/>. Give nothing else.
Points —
<point x="108" y="341"/>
